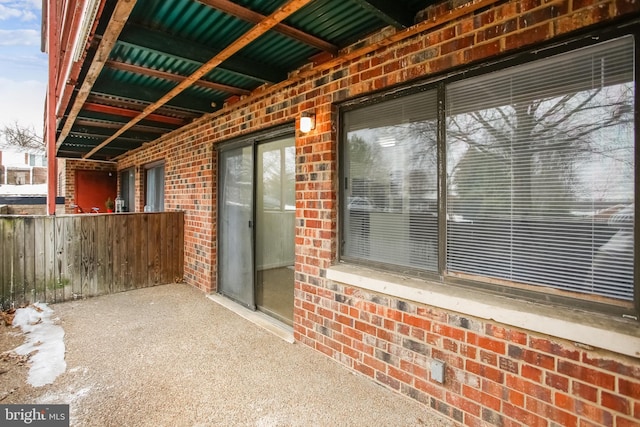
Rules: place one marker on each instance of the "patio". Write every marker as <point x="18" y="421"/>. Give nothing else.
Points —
<point x="167" y="355"/>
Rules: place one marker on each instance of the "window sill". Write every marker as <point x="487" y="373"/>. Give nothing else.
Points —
<point x="618" y="335"/>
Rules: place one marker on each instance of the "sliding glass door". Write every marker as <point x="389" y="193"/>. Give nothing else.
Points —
<point x="256" y="242"/>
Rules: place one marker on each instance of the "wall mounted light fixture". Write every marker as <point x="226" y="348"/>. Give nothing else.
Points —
<point x="307" y="122"/>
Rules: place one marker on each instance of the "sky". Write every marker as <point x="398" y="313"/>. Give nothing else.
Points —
<point x="23" y="67"/>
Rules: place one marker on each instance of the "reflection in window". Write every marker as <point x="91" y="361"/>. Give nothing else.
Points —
<point x="155" y="189"/>
<point x="391" y="196"/>
<point x="536" y="154"/>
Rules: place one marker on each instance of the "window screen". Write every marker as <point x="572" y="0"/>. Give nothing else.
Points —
<point x="540" y="172"/>
<point x="390" y="173"/>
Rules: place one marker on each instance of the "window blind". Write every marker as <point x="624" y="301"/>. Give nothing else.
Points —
<point x="540" y="172"/>
<point x="390" y="193"/>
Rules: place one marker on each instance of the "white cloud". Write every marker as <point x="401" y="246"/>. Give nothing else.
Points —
<point x="8" y="13"/>
<point x="19" y="38"/>
<point x="19" y="10"/>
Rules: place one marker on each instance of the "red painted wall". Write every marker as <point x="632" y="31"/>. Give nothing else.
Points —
<point x="92" y="188"/>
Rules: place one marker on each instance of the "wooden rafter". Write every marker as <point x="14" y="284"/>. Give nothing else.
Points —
<point x="118" y="19"/>
<point x="116" y="65"/>
<point x="265" y="25"/>
<point x="131" y="104"/>
<point x="106" y="124"/>
<point x="249" y="15"/>
<point x="124" y="112"/>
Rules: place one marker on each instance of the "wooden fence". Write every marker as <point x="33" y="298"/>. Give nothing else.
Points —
<point x="54" y="259"/>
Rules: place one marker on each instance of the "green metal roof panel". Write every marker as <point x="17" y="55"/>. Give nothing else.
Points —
<point x="179" y="36"/>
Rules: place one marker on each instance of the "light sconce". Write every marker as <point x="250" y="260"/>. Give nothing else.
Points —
<point x="307" y="122"/>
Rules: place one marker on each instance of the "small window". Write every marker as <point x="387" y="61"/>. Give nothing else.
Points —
<point x="128" y="189"/>
<point x="154" y="195"/>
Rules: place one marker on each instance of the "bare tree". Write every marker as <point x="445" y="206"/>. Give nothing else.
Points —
<point x="539" y="144"/>
<point x="21" y="138"/>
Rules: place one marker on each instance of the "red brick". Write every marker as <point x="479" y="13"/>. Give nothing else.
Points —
<point x="556" y="381"/>
<point x="565" y="402"/>
<point x="374" y="363"/>
<point x="629" y="388"/>
<point x="594" y="413"/>
<point x="523" y="416"/>
<point x="432" y="389"/>
<point x="626" y="422"/>
<point x="543" y="344"/>
<point x="416" y="321"/>
<point x="485" y="371"/>
<point x="448" y="331"/>
<point x="487" y="343"/>
<point x="364" y="369"/>
<point x="545" y="410"/>
<point x="479" y="396"/>
<point x="399" y="375"/>
<point x="532" y="373"/>
<point x="616" y="402"/>
<point x="527" y="387"/>
<point x="585" y="391"/>
<point x="460" y="402"/>
<point x="586" y="375"/>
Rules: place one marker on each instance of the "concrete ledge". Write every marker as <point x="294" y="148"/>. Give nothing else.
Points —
<point x="615" y="334"/>
<point x="268" y="323"/>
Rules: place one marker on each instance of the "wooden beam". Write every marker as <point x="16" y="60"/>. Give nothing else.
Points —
<point x="265" y="25"/>
<point x="124" y="112"/>
<point x="75" y="134"/>
<point x="108" y="124"/>
<point x="114" y="27"/>
<point x="249" y="15"/>
<point x="134" y="104"/>
<point x="136" y="69"/>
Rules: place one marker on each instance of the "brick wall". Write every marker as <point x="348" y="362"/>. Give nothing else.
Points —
<point x="496" y="374"/>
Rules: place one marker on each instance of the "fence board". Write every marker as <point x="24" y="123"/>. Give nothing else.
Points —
<point x="49" y="257"/>
<point x="154" y="250"/>
<point x="102" y="281"/>
<point x="29" y="278"/>
<point x="17" y="281"/>
<point x="40" y="284"/>
<point x="75" y="260"/>
<point x="56" y="259"/>
<point x="61" y="271"/>
<point x="5" y="255"/>
<point x="141" y="242"/>
<point x="89" y="279"/>
<point x="130" y="276"/>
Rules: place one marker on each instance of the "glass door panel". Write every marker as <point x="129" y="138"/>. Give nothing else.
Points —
<point x="275" y="227"/>
<point x="235" y="262"/>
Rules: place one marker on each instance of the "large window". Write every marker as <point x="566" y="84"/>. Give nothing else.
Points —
<point x="537" y="178"/>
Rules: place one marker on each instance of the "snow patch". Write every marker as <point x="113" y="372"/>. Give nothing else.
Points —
<point x="45" y="339"/>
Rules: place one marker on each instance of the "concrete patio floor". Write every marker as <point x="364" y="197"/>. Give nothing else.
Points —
<point x="169" y="356"/>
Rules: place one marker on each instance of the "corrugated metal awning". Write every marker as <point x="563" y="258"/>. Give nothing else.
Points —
<point x="153" y="66"/>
